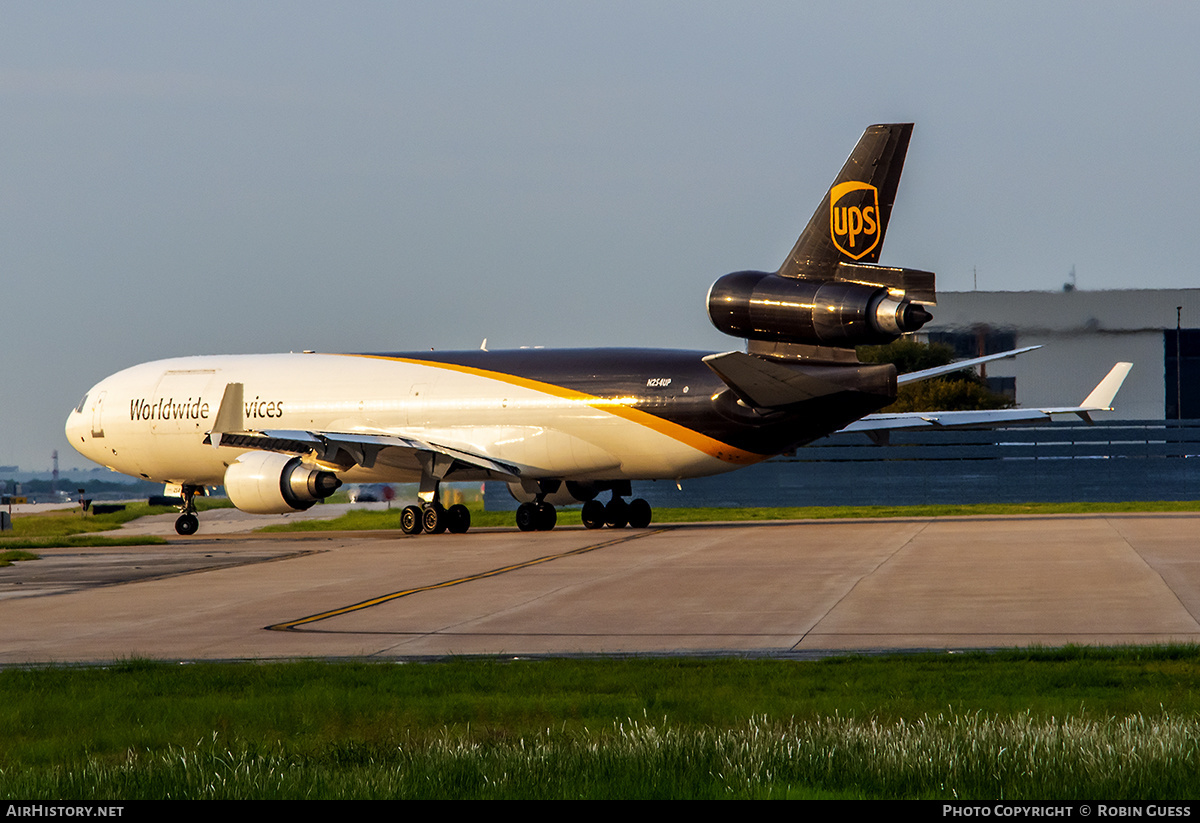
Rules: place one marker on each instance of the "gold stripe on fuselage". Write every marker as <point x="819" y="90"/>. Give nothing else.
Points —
<point x="618" y="406"/>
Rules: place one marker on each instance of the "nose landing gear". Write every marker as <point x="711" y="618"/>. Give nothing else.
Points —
<point x="188" y="523"/>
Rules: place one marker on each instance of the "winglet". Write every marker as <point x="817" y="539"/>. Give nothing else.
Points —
<point x="229" y="414"/>
<point x="1106" y="390"/>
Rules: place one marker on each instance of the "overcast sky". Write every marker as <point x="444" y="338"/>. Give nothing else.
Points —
<point x="223" y="177"/>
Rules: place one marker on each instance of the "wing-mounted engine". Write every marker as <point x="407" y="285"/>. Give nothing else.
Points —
<point x="273" y="483"/>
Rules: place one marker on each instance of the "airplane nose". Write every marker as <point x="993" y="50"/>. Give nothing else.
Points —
<point x="74" y="428"/>
<point x="78" y="426"/>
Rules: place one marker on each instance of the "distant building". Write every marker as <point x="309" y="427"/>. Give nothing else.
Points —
<point x="1083" y="333"/>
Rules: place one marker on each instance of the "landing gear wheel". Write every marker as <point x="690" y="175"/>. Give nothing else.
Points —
<point x="410" y="520"/>
<point x="593" y="514"/>
<point x="526" y="517"/>
<point x="458" y="518"/>
<point x="434" y="519"/>
<point x="639" y="513"/>
<point x="616" y="513"/>
<point x="545" y="517"/>
<point x="187" y="524"/>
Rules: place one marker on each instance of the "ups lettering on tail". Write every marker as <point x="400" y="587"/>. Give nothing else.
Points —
<point x="854" y="218"/>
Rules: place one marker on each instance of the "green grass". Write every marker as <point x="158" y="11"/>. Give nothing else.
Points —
<point x="390" y="519"/>
<point x="54" y="529"/>
<point x="65" y="528"/>
<point x="10" y="556"/>
<point x="950" y="757"/>
<point x="1072" y="723"/>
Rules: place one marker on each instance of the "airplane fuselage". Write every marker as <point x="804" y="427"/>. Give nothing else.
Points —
<point x="584" y="414"/>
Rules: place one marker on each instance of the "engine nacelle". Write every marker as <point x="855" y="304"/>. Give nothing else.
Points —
<point x="761" y="306"/>
<point x="271" y="483"/>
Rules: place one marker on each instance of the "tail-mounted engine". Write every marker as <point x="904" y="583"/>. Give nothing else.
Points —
<point x="761" y="306"/>
<point x="831" y="292"/>
<point x="272" y="483"/>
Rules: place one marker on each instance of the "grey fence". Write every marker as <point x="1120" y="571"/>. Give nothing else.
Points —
<point x="1056" y="462"/>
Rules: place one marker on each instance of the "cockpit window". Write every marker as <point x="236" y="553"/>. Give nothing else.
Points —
<point x="82" y="403"/>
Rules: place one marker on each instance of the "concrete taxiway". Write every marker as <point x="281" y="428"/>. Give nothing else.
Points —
<point x="748" y="588"/>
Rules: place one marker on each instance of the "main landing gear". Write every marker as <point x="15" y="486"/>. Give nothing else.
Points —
<point x="536" y="517"/>
<point x="433" y="518"/>
<point x="540" y="516"/>
<point x="188" y="523"/>
<point x="617" y="514"/>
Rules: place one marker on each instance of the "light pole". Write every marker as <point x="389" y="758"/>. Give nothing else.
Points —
<point x="1178" y="364"/>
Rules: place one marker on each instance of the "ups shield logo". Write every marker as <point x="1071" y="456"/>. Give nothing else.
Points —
<point x="854" y="218"/>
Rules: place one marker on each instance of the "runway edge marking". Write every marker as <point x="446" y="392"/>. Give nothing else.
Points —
<point x="294" y="625"/>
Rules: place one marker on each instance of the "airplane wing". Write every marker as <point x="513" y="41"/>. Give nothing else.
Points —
<point x="925" y="374"/>
<point x="343" y="450"/>
<point x="1100" y="399"/>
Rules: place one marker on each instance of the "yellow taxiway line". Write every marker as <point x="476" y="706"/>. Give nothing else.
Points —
<point x="294" y="625"/>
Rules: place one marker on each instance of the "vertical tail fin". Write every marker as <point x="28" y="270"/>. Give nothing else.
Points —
<point x="849" y="225"/>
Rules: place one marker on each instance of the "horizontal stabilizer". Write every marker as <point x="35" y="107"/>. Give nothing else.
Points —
<point x="765" y="384"/>
<point x="918" y="286"/>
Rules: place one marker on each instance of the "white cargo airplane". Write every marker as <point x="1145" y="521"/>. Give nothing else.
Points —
<point x="283" y="431"/>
